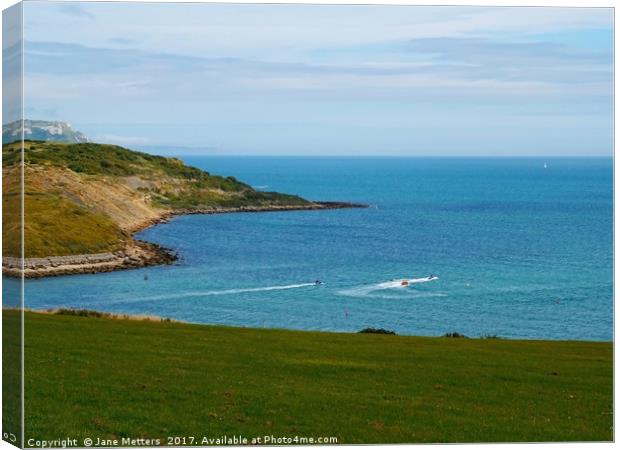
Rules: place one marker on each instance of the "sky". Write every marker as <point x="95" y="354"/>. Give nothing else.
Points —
<point x="324" y="80"/>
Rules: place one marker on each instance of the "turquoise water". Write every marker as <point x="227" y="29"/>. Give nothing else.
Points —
<point x="520" y="251"/>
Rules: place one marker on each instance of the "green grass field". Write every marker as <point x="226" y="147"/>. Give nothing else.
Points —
<point x="98" y="377"/>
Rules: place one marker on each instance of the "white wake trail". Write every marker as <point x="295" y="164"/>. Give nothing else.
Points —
<point x="368" y="290"/>
<point x="226" y="291"/>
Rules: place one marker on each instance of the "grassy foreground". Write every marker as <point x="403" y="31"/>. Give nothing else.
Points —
<point x="98" y="377"/>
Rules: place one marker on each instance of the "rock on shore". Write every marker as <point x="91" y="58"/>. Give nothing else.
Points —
<point x="137" y="254"/>
<point x="167" y="215"/>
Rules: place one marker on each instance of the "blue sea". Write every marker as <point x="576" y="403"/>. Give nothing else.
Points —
<point x="520" y="251"/>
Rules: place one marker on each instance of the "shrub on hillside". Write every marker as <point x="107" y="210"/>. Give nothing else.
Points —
<point x="454" y="334"/>
<point x="377" y="331"/>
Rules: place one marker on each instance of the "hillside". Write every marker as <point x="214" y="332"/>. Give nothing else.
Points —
<point x="157" y="379"/>
<point x="41" y="130"/>
<point x="88" y="198"/>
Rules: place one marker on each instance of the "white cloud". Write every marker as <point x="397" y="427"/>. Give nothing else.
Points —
<point x="274" y="31"/>
<point x="282" y="76"/>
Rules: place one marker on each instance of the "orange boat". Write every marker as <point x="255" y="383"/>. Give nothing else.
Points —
<point x="404" y="283"/>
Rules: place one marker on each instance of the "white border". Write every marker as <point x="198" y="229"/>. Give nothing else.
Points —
<point x="532" y="3"/>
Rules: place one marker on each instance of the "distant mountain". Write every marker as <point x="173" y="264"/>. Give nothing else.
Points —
<point x="42" y="130"/>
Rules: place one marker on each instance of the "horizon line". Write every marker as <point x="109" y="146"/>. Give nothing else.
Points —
<point x="267" y="155"/>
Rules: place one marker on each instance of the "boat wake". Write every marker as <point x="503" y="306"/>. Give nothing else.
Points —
<point x="227" y="291"/>
<point x="399" y="284"/>
<point x="394" y="289"/>
<point x="380" y="290"/>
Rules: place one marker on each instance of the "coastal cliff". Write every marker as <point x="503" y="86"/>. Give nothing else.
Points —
<point x="83" y="202"/>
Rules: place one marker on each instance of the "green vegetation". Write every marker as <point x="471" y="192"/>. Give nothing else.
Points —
<point x="82" y="313"/>
<point x="11" y="365"/>
<point x="376" y="331"/>
<point x="200" y="199"/>
<point x="101" y="377"/>
<point x="103" y="159"/>
<point x="81" y="198"/>
<point x="58" y="227"/>
<point x="454" y="334"/>
<point x="100" y="314"/>
<point x="11" y="224"/>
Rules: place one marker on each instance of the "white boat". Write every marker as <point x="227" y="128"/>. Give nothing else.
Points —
<point x="408" y="282"/>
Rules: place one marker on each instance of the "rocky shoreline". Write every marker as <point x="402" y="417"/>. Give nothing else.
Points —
<point x="137" y="253"/>
<point x="167" y="215"/>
